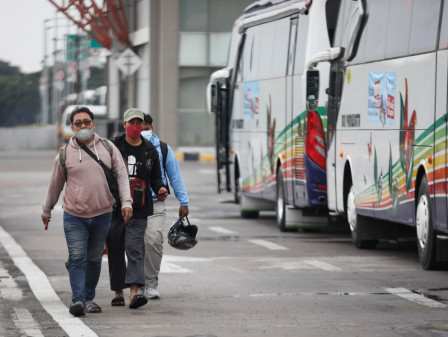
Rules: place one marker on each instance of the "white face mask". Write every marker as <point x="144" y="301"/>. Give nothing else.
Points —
<point x="147" y="134"/>
<point x="84" y="134"/>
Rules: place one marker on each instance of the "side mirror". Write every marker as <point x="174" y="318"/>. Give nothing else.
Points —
<point x="211" y="98"/>
<point x="312" y="89"/>
<point x="213" y="86"/>
<point x="325" y="56"/>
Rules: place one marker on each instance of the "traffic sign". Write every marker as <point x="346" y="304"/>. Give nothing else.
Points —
<point x="77" y="47"/>
<point x="128" y="62"/>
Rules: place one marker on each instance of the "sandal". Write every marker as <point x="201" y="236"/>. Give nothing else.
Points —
<point x="93" y="308"/>
<point x="138" y="301"/>
<point x="118" y="301"/>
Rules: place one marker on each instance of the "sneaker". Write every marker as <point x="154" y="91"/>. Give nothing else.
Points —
<point x="77" y="309"/>
<point x="152" y="294"/>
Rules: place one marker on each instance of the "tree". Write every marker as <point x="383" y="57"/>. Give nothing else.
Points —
<point x="19" y="96"/>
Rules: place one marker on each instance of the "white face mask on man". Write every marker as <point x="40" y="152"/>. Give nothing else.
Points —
<point x="84" y="134"/>
<point x="147" y="134"/>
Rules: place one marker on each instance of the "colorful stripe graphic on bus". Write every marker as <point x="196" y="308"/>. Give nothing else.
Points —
<point x="290" y="142"/>
<point x="401" y="172"/>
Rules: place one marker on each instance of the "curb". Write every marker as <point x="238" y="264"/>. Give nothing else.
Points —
<point x="194" y="156"/>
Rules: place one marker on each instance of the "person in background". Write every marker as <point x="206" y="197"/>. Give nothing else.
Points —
<point x="153" y="248"/>
<point x="88" y="206"/>
<point x="143" y="164"/>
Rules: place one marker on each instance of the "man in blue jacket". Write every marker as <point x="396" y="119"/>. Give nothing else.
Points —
<point x="153" y="251"/>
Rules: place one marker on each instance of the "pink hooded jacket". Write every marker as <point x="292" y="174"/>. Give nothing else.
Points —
<point x="87" y="193"/>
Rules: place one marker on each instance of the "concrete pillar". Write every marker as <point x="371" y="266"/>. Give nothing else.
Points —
<point x="164" y="82"/>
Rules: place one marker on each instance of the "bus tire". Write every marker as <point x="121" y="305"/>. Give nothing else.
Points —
<point x="358" y="224"/>
<point x="280" y="209"/>
<point x="238" y="183"/>
<point x="426" y="236"/>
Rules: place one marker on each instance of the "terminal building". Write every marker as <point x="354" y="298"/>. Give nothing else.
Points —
<point x="179" y="44"/>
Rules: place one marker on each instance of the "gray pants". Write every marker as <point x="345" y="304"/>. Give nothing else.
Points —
<point x="153" y="251"/>
<point x="125" y="237"/>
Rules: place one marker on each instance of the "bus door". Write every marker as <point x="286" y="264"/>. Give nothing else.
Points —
<point x="352" y="16"/>
<point x="334" y="92"/>
<point x="220" y="97"/>
<point x="296" y="162"/>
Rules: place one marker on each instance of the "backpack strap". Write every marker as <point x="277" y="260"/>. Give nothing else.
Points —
<point x="62" y="155"/>
<point x="106" y="145"/>
<point x="164" y="149"/>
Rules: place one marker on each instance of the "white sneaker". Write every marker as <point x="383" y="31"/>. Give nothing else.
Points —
<point x="152" y="293"/>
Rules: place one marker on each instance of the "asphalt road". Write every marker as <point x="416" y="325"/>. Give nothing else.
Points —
<point x="244" y="278"/>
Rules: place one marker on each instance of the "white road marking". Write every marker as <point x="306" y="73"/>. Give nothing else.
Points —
<point x="25" y="322"/>
<point x="222" y="230"/>
<point x="177" y="258"/>
<point x="42" y="289"/>
<point x="268" y="244"/>
<point x="168" y="267"/>
<point x="171" y="268"/>
<point x="322" y="265"/>
<point x="416" y="298"/>
<point x="8" y="287"/>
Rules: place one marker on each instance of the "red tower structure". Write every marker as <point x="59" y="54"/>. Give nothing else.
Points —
<point x="101" y="23"/>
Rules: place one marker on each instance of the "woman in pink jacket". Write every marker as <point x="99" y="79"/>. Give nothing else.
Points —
<point x="88" y="206"/>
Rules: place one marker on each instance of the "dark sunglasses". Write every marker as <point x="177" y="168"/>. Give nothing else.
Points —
<point x="86" y="122"/>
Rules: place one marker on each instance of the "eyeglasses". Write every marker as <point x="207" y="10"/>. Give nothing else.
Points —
<point x="86" y="122"/>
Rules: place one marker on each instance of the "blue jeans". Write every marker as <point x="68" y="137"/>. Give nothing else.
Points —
<point x="85" y="240"/>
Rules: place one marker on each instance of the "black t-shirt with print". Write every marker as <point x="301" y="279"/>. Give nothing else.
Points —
<point x="143" y="162"/>
<point x="134" y="154"/>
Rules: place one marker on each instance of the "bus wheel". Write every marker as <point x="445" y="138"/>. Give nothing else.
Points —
<point x="426" y="238"/>
<point x="280" y="209"/>
<point x="357" y="224"/>
<point x="238" y="184"/>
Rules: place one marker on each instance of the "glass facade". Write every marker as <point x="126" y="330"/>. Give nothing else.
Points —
<point x="204" y="39"/>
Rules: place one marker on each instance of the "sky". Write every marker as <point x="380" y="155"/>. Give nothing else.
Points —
<point x="22" y="32"/>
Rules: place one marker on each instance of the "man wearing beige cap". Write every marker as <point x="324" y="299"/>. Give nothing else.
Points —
<point x="142" y="161"/>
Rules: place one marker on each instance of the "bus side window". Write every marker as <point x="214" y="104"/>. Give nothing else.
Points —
<point x="443" y="44"/>
<point x="302" y="33"/>
<point x="239" y="75"/>
<point x="423" y="37"/>
<point x="397" y="37"/>
<point x="375" y="30"/>
<point x="246" y="58"/>
<point x="292" y="45"/>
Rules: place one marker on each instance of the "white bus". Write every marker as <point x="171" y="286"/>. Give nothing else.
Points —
<point x="387" y="122"/>
<point x="269" y="145"/>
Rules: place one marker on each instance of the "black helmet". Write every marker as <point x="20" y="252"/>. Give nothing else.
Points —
<point x="181" y="236"/>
